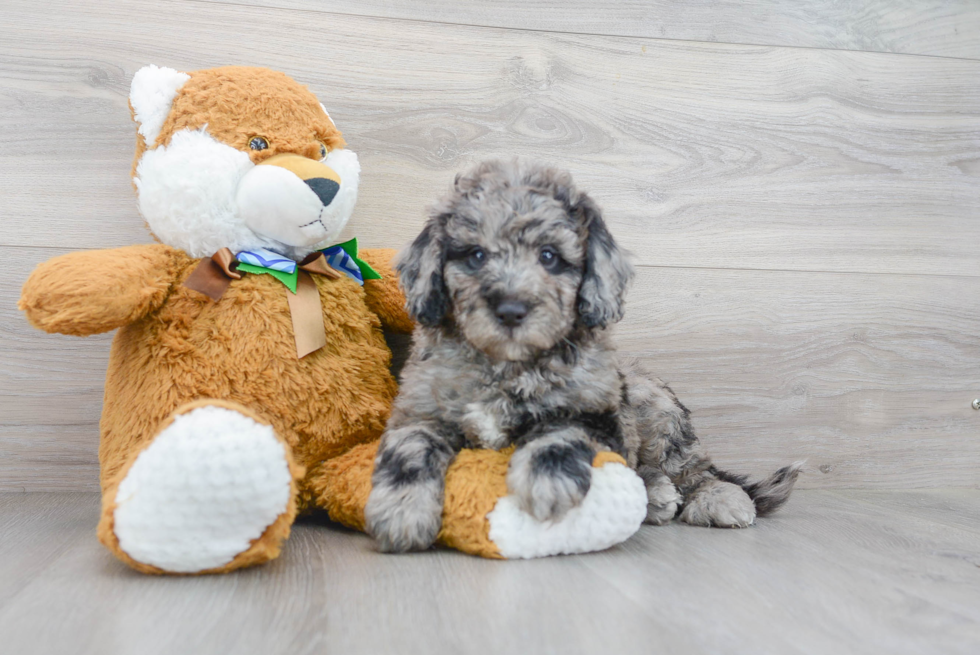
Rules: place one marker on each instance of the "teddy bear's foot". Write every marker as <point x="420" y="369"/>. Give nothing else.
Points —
<point x="212" y="492"/>
<point x="611" y="512"/>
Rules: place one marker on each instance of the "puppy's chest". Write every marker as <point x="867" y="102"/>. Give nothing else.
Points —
<point x="501" y="413"/>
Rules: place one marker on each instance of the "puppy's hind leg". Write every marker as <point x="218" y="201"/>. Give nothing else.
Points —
<point x="665" y="442"/>
<point x="663" y="498"/>
<point x="404" y="510"/>
<point x="717" y="498"/>
<point x="719" y="504"/>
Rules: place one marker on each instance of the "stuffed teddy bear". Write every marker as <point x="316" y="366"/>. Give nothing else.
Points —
<point x="248" y="380"/>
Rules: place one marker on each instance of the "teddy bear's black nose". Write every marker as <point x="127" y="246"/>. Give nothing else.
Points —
<point x="325" y="189"/>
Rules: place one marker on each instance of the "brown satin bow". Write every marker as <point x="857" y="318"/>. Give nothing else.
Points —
<point x="212" y="277"/>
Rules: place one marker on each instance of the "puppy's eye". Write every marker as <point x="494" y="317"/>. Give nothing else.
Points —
<point x="323" y="151"/>
<point x="476" y="257"/>
<point x="549" y="258"/>
<point x="258" y="143"/>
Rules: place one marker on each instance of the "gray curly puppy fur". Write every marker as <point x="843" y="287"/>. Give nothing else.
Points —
<point x="514" y="281"/>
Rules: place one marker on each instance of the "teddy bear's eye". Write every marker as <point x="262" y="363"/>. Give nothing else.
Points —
<point x="258" y="143"/>
<point x="323" y="151"/>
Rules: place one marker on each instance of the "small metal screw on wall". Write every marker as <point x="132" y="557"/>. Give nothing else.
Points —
<point x="976" y="403"/>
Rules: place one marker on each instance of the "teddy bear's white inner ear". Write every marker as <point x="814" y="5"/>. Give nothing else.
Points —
<point x="327" y="113"/>
<point x="152" y="93"/>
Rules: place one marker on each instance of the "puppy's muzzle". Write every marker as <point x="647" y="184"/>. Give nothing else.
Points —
<point x="323" y="180"/>
<point x="511" y="312"/>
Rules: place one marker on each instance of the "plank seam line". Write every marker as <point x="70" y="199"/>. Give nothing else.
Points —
<point x="965" y="276"/>
<point x="596" y="34"/>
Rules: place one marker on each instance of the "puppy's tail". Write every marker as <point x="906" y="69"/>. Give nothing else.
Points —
<point x="769" y="494"/>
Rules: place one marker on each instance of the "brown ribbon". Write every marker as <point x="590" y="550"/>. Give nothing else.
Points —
<point x="212" y="277"/>
<point x="317" y="263"/>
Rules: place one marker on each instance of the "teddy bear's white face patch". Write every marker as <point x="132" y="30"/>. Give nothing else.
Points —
<point x="187" y="194"/>
<point x="276" y="203"/>
<point x="201" y="195"/>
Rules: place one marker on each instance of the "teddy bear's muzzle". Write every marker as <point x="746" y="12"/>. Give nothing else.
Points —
<point x="286" y="198"/>
<point x="323" y="180"/>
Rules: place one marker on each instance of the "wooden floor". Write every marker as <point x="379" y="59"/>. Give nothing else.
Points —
<point x="836" y="572"/>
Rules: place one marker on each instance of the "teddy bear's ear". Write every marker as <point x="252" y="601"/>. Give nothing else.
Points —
<point x="328" y="114"/>
<point x="151" y="94"/>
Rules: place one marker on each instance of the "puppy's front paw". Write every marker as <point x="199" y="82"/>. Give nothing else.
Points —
<point x="550" y="477"/>
<point x="404" y="518"/>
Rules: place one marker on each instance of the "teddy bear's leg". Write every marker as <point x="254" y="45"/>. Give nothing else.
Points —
<point x="214" y="490"/>
<point x="480" y="518"/>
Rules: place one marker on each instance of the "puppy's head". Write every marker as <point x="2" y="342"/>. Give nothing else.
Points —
<point x="517" y="258"/>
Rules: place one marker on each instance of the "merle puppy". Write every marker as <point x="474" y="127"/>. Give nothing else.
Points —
<point x="514" y="281"/>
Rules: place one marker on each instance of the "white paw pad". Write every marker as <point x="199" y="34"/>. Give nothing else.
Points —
<point x="611" y="512"/>
<point x="208" y="485"/>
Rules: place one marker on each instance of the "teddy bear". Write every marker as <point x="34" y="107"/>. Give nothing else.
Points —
<point x="249" y="377"/>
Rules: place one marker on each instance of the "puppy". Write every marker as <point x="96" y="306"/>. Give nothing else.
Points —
<point x="514" y="282"/>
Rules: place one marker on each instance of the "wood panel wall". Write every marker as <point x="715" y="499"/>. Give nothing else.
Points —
<point x="799" y="187"/>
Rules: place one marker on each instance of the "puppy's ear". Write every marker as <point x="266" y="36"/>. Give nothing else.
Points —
<point x="607" y="272"/>
<point x="420" y="270"/>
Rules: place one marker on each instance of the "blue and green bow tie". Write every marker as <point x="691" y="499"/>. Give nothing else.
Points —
<point x="341" y="257"/>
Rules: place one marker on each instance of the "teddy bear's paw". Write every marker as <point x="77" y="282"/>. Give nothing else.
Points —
<point x="719" y="504"/>
<point x="203" y="492"/>
<point x="611" y="512"/>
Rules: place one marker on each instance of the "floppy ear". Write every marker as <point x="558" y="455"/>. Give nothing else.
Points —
<point x="420" y="270"/>
<point x="151" y="95"/>
<point x="607" y="272"/>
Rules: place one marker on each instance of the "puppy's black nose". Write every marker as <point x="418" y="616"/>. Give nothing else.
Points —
<point x="511" y="312"/>
<point x="325" y="189"/>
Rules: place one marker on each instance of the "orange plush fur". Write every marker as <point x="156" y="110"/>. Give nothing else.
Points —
<point x="239" y="350"/>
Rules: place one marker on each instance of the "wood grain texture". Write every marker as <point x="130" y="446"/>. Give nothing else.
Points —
<point x="805" y="220"/>
<point x="834" y="572"/>
<point x="703" y="155"/>
<point x="947" y="28"/>
<point x="37" y="529"/>
<point x="868" y="377"/>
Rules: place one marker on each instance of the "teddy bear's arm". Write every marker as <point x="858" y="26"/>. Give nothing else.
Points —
<point x="384" y="297"/>
<point x="94" y="291"/>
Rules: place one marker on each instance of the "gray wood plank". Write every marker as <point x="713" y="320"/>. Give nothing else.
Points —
<point x="45" y="457"/>
<point x="825" y="575"/>
<point x="703" y="155"/>
<point x="36" y="529"/>
<point x="828" y="574"/>
<point x="869" y="377"/>
<point x="955" y="507"/>
<point x="949" y="28"/>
